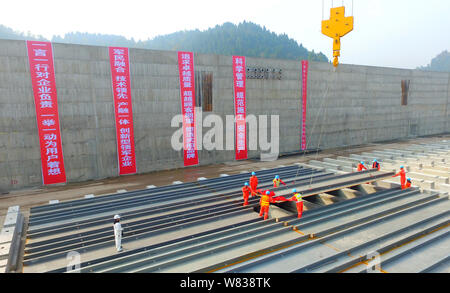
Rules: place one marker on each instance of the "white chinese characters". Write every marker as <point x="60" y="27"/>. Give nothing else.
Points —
<point x="43" y="80"/>
<point x="187" y="84"/>
<point x="122" y="99"/>
<point x="239" y="100"/>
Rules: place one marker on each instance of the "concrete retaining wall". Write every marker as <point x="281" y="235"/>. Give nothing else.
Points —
<point x="354" y="105"/>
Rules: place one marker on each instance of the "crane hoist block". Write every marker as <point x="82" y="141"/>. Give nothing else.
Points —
<point x="336" y="27"/>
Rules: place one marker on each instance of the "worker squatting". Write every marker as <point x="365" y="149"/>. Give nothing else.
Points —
<point x="268" y="197"/>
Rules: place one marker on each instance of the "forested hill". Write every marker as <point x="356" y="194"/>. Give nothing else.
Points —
<point x="246" y="39"/>
<point x="440" y="63"/>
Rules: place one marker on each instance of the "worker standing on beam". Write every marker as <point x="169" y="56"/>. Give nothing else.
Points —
<point x="277" y="181"/>
<point x="299" y="202"/>
<point x="246" y="191"/>
<point x="253" y="183"/>
<point x="265" y="204"/>
<point x="118" y="233"/>
<point x="361" y="166"/>
<point x="402" y="175"/>
<point x="376" y="165"/>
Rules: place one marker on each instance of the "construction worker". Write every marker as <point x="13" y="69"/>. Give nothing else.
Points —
<point x="246" y="191"/>
<point x="253" y="183"/>
<point x="376" y="165"/>
<point x="402" y="175"/>
<point x="408" y="183"/>
<point x="361" y="166"/>
<point x="118" y="233"/>
<point x="265" y="204"/>
<point x="277" y="181"/>
<point x="263" y="192"/>
<point x="299" y="202"/>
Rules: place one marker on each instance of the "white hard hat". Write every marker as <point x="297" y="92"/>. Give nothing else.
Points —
<point x="116" y="217"/>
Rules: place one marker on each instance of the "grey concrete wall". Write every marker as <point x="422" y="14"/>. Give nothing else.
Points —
<point x="359" y="104"/>
<point x="354" y="105"/>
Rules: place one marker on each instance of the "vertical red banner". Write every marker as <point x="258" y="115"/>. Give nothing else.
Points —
<point x="120" y="74"/>
<point x="305" y="66"/>
<point x="239" y="80"/>
<point x="187" y="91"/>
<point x="40" y="57"/>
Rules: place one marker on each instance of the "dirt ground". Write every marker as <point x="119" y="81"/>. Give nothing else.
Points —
<point x="28" y="198"/>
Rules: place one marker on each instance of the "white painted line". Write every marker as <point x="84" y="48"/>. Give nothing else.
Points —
<point x="224" y="175"/>
<point x="89" y="196"/>
<point x="121" y="191"/>
<point x="151" y="186"/>
<point x="55" y="201"/>
<point x="177" y="182"/>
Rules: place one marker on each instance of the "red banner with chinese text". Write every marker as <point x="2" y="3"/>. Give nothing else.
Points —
<point x="120" y="74"/>
<point x="187" y="91"/>
<point x="305" y="66"/>
<point x="239" y="80"/>
<point x="40" y="57"/>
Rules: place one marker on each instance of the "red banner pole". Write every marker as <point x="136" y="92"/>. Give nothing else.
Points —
<point x="40" y="57"/>
<point x="120" y="74"/>
<point x="239" y="81"/>
<point x="187" y="92"/>
<point x="305" y="66"/>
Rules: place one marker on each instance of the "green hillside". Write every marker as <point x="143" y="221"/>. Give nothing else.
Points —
<point x="247" y="39"/>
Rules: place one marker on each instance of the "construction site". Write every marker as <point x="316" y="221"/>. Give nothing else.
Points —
<point x="365" y="150"/>
<point x="348" y="215"/>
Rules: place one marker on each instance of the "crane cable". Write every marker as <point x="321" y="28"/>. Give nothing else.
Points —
<point x="332" y="5"/>
<point x="323" y="105"/>
<point x="324" y="100"/>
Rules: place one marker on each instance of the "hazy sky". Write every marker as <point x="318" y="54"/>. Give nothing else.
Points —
<point x="393" y="33"/>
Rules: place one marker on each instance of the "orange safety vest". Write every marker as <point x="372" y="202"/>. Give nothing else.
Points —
<point x="298" y="197"/>
<point x="361" y="167"/>
<point x="276" y="182"/>
<point x="265" y="201"/>
<point x="376" y="165"/>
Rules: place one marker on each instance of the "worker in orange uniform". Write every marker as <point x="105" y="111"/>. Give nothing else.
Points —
<point x="299" y="202"/>
<point x="408" y="183"/>
<point x="376" y="165"/>
<point x="246" y="191"/>
<point x="402" y="175"/>
<point x="361" y="166"/>
<point x="277" y="181"/>
<point x="253" y="183"/>
<point x="265" y="204"/>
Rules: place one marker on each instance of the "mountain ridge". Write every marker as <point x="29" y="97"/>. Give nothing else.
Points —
<point x="246" y="39"/>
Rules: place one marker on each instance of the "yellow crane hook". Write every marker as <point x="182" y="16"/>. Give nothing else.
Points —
<point x="336" y="27"/>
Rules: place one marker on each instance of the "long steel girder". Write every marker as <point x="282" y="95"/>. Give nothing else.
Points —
<point x="51" y="248"/>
